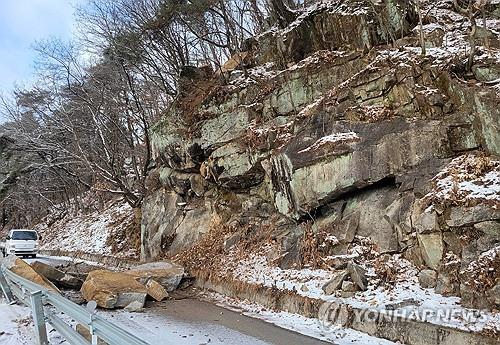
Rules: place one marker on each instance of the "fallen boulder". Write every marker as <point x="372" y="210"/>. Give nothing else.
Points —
<point x="23" y="269"/>
<point x="56" y="276"/>
<point x="166" y="273"/>
<point x="113" y="289"/>
<point x="155" y="290"/>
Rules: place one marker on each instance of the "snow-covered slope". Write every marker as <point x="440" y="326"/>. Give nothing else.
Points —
<point x="110" y="231"/>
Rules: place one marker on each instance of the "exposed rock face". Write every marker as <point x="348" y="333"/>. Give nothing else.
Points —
<point x="158" y="225"/>
<point x="170" y="224"/>
<point x="23" y="269"/>
<point x="348" y="24"/>
<point x="336" y="129"/>
<point x="432" y="248"/>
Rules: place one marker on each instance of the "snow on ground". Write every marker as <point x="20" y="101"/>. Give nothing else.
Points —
<point x="65" y="260"/>
<point x="405" y="296"/>
<point x="252" y="76"/>
<point x="12" y="319"/>
<point x="308" y="326"/>
<point x="94" y="233"/>
<point x="16" y="326"/>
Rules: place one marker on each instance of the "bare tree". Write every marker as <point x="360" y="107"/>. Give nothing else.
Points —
<point x="421" y="26"/>
<point x="86" y="125"/>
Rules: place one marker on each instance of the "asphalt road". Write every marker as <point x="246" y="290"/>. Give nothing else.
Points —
<point x="194" y="311"/>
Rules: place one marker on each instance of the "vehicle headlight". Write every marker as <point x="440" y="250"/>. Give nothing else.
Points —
<point x="13" y="246"/>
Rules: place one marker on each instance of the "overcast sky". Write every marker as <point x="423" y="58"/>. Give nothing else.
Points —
<point x="22" y="22"/>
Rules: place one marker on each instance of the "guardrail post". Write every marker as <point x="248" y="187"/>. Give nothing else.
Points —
<point x="92" y="330"/>
<point x="91" y="308"/>
<point x="5" y="288"/>
<point x="39" y="317"/>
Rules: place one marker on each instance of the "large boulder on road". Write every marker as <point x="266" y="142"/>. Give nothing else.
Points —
<point x="23" y="269"/>
<point x="56" y="276"/>
<point x="113" y="289"/>
<point x="166" y="273"/>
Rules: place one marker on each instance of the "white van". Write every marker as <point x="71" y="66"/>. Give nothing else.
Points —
<point x="21" y="242"/>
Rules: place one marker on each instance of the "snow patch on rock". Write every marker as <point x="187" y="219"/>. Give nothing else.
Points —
<point x="468" y="178"/>
<point x="335" y="138"/>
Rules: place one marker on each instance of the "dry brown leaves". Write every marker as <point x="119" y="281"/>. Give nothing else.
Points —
<point x="471" y="168"/>
<point x="386" y="273"/>
<point x="310" y="248"/>
<point x="482" y="274"/>
<point x="208" y="252"/>
<point x="126" y="235"/>
<point x="201" y="92"/>
<point x="372" y="113"/>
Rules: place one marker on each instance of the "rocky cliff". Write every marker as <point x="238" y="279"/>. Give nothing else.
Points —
<point x="337" y="133"/>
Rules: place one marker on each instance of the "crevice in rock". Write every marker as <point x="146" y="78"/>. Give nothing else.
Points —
<point x="353" y="191"/>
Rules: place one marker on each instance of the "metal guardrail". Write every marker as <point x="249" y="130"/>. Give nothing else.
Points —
<point x="45" y="304"/>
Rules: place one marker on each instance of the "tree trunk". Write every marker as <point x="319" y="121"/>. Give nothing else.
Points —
<point x="137" y="236"/>
<point x="421" y="26"/>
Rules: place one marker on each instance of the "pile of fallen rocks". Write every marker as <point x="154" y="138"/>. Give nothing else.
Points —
<point x="109" y="289"/>
<point x="129" y="289"/>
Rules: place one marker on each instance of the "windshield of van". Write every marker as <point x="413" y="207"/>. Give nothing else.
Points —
<point x="24" y="235"/>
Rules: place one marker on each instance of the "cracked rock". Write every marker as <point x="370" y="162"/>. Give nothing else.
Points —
<point x="358" y="275"/>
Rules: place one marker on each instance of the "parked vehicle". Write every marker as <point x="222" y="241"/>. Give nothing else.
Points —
<point x="21" y="242"/>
